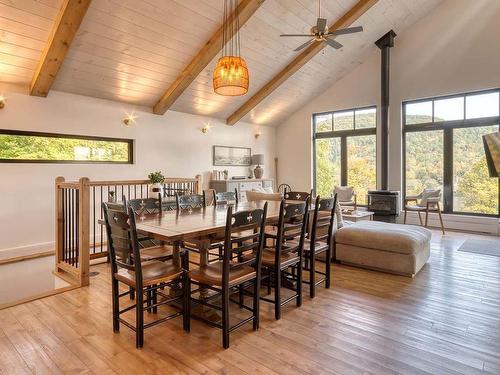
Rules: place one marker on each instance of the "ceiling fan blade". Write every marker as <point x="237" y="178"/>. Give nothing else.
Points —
<point x="321" y="25"/>
<point x="309" y="35"/>
<point x="304" y="45"/>
<point x="333" y="43"/>
<point x="349" y="30"/>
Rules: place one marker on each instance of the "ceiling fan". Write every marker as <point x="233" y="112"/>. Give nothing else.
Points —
<point x="320" y="33"/>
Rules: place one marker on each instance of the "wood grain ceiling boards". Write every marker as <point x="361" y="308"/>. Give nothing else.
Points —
<point x="128" y="50"/>
<point x="25" y="26"/>
<point x="63" y="31"/>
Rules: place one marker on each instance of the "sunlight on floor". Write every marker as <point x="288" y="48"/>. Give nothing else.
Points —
<point x="28" y="278"/>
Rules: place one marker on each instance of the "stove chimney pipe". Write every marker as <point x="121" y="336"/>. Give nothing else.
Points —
<point x="385" y="43"/>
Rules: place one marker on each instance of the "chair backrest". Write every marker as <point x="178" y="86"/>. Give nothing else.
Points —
<point x="226" y="197"/>
<point x="323" y="221"/>
<point x="123" y="245"/>
<point x="427" y="194"/>
<point x="344" y="193"/>
<point x="297" y="195"/>
<point x="191" y="201"/>
<point x="253" y="196"/>
<point x="209" y="197"/>
<point x="142" y="206"/>
<point x="283" y="188"/>
<point x="292" y="227"/>
<point x="244" y="234"/>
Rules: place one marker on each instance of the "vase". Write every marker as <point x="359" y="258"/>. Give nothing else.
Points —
<point x="154" y="189"/>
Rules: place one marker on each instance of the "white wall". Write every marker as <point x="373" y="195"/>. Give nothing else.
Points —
<point x="453" y="49"/>
<point x="172" y="143"/>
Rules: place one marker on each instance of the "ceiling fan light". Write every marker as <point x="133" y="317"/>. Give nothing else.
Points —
<point x="234" y="82"/>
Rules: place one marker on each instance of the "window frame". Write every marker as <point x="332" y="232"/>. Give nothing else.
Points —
<point x="343" y="135"/>
<point x="447" y="127"/>
<point x="129" y="142"/>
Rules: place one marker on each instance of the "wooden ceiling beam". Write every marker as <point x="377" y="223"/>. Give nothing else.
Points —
<point x="360" y="8"/>
<point x="204" y="56"/>
<point x="65" y="27"/>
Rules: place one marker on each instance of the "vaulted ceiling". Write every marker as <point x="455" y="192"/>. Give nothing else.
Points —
<point x="131" y="50"/>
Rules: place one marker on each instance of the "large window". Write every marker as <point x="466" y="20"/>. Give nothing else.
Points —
<point x="444" y="150"/>
<point x="345" y="148"/>
<point x="29" y="147"/>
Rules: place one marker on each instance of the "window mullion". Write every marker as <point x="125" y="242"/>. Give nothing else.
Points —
<point x="343" y="161"/>
<point x="448" y="170"/>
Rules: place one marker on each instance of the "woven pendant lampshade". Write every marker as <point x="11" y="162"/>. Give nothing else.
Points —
<point x="230" y="77"/>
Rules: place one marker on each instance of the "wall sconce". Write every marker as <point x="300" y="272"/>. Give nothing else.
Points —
<point x="257" y="135"/>
<point x="129" y="119"/>
<point x="2" y="102"/>
<point x="205" y="128"/>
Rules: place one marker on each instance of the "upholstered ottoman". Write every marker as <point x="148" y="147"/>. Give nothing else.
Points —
<point x="394" y="248"/>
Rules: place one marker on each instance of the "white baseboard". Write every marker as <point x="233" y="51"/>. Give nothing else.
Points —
<point x="26" y="250"/>
<point x="456" y="222"/>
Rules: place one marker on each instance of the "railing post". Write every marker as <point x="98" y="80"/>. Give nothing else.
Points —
<point x="198" y="184"/>
<point x="59" y="221"/>
<point x="84" y="230"/>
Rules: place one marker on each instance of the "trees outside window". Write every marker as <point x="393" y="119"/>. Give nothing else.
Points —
<point x="444" y="150"/>
<point x="345" y="151"/>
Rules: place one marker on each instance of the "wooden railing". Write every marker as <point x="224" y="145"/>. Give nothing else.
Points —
<point x="78" y="206"/>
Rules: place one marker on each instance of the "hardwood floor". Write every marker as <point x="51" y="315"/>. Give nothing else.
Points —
<point x="445" y="321"/>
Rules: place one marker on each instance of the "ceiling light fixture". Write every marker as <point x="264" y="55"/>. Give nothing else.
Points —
<point x="230" y="76"/>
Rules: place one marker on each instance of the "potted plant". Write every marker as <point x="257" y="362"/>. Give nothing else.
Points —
<point x="226" y="174"/>
<point x="156" y="179"/>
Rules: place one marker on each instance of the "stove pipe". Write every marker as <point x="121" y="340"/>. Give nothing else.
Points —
<point x="385" y="43"/>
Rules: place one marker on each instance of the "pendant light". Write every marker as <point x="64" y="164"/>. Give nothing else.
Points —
<point x="230" y="76"/>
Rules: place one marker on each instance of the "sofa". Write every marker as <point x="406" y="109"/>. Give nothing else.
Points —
<point x="394" y="248"/>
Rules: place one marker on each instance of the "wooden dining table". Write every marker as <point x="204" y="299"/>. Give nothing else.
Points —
<point x="204" y="225"/>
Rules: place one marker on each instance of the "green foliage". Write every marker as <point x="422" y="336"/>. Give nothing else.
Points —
<point x="23" y="147"/>
<point x="477" y="191"/>
<point x="474" y="190"/>
<point x="156" y="177"/>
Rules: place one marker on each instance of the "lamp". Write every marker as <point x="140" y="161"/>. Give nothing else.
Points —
<point x="129" y="119"/>
<point x="492" y="149"/>
<point x="206" y="127"/>
<point x="257" y="160"/>
<point x="2" y="102"/>
<point x="230" y="77"/>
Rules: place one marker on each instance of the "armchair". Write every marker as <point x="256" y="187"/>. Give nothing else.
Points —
<point x="427" y="201"/>
<point x="346" y="196"/>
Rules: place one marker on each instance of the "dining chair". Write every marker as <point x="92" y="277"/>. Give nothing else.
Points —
<point x="297" y="195"/>
<point x="151" y="249"/>
<point x="194" y="204"/>
<point x="234" y="271"/>
<point x="227" y="197"/>
<point x="283" y="188"/>
<point x="286" y="253"/>
<point x="144" y="277"/>
<point x="190" y="201"/>
<point x="209" y="197"/>
<point x="320" y="240"/>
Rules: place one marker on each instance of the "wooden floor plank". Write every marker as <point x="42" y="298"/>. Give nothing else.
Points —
<point x="444" y="321"/>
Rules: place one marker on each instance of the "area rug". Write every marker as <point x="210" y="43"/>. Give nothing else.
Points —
<point x="485" y="247"/>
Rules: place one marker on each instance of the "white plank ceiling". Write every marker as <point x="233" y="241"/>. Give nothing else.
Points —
<point x="132" y="50"/>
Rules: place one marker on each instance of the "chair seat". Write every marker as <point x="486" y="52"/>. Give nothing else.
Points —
<point x="287" y="259"/>
<point x="319" y="246"/>
<point x="211" y="274"/>
<point x="156" y="252"/>
<point x="414" y="207"/>
<point x="153" y="272"/>
<point x="346" y="203"/>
